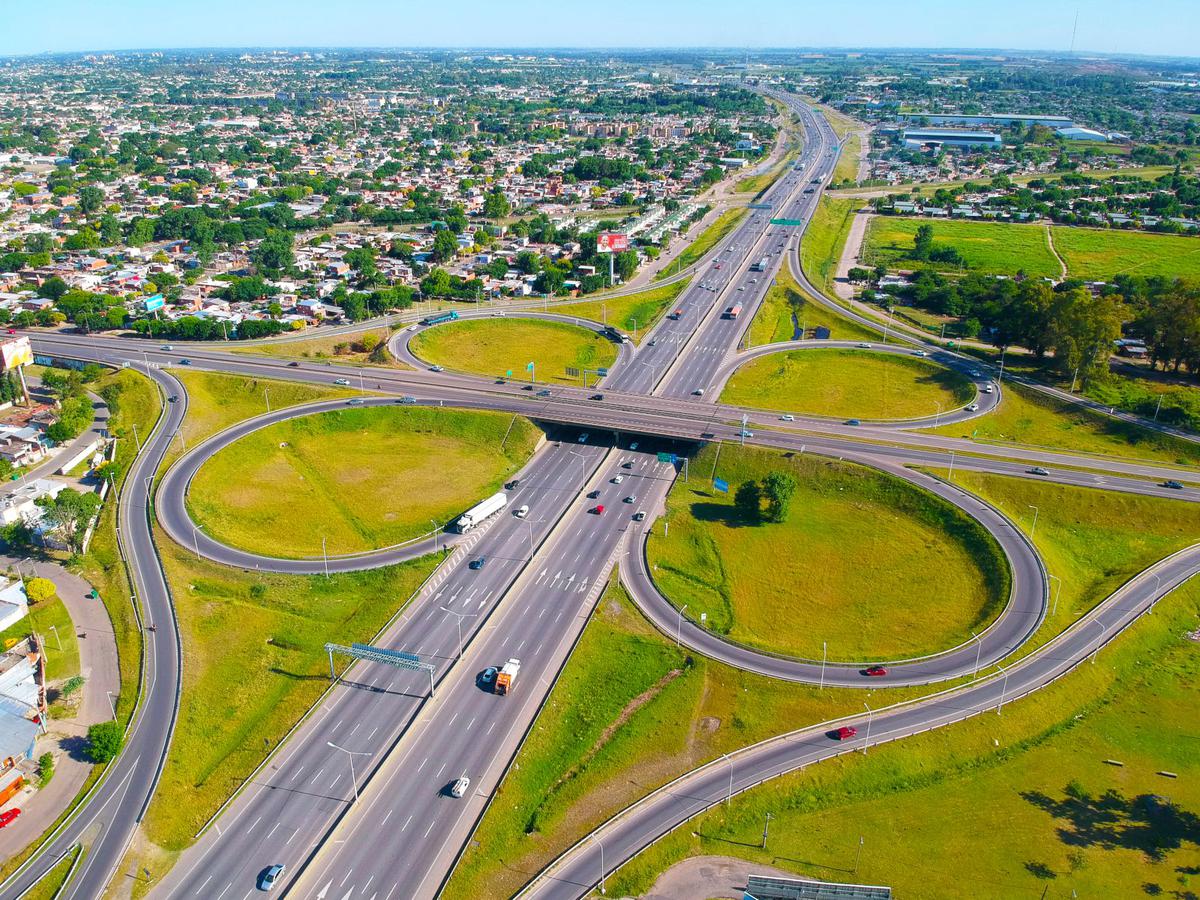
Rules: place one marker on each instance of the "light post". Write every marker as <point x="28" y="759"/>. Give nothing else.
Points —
<point x="350" y="754"/>
<point x="938" y="417"/>
<point x="1003" y="688"/>
<point x="870" y="716"/>
<point x="1057" y="592"/>
<point x="195" y="540"/>
<point x="978" y="651"/>
<point x="112" y="706"/>
<point x="324" y="556"/>
<point x="679" y="624"/>
<point x="729" y="796"/>
<point x="950" y="477"/>
<point x="1000" y="377"/>
<point x="602" y="868"/>
<point x="1033" y="528"/>
<point x="136" y="439"/>
<point x="1153" y="600"/>
<point x="57" y="639"/>
<point x="459" y="616"/>
<point x="267" y="397"/>
<point x="436" y="531"/>
<point x="1099" y="643"/>
<point x="824" y="656"/>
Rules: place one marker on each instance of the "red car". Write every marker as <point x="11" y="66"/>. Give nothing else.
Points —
<point x="7" y="816"/>
<point x="12" y="331"/>
<point x="874" y="671"/>
<point x="844" y="733"/>
<point x="599" y="510"/>
<point x="718" y="265"/>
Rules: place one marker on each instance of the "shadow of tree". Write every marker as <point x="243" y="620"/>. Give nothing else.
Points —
<point x="76" y="747"/>
<point x="722" y="513"/>
<point x="1148" y="823"/>
<point x="1040" y="870"/>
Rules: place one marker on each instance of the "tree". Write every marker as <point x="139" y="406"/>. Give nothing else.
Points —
<point x="1082" y="328"/>
<point x="104" y="741"/>
<point x="90" y="199"/>
<point x="39" y="590"/>
<point x="747" y="500"/>
<point x="274" y="252"/>
<point x="923" y="242"/>
<point x="496" y="205"/>
<point x="70" y="512"/>
<point x="445" y="246"/>
<point x="528" y="262"/>
<point x="778" y="488"/>
<point x="549" y="281"/>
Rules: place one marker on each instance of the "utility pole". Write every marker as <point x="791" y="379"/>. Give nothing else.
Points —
<point x="460" y="617"/>
<point x="1033" y="528"/>
<point x="350" y="754"/>
<point x="679" y="624"/>
<point x="824" y="656"/>
<point x="324" y="556"/>
<point x="858" y="856"/>
<point x="766" y="828"/>
<point x="870" y="716"/>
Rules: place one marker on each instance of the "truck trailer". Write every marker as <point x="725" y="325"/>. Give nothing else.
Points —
<point x="481" y="511"/>
<point x="507" y="675"/>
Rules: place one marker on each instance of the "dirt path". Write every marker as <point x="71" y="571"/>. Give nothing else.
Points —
<point x="704" y="877"/>
<point x="850" y="254"/>
<point x="1050" y="243"/>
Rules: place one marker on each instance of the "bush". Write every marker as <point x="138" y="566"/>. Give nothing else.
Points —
<point x="71" y="685"/>
<point x="39" y="590"/>
<point x="104" y="741"/>
<point x="45" y="769"/>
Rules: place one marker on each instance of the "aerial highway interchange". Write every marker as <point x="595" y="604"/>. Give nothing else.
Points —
<point x="355" y="802"/>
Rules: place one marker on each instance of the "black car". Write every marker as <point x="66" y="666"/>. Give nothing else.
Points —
<point x="477" y="563"/>
<point x="293" y="365"/>
<point x="596" y="397"/>
<point x="592" y="495"/>
<point x="173" y="398"/>
<point x="1177" y="485"/>
<point x="512" y="485"/>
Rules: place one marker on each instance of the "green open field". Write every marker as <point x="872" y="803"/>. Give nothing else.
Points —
<point x="1004" y="248"/>
<point x="825" y="238"/>
<point x="773" y="321"/>
<point x="633" y="314"/>
<point x="1017" y="805"/>
<point x="1032" y="419"/>
<point x="846" y="169"/>
<point x="707" y="239"/>
<point x="496" y="346"/>
<point x="866" y="562"/>
<point x="347" y="349"/>
<point x="358" y="478"/>
<point x="989" y="248"/>
<point x="842" y="383"/>
<point x="253" y="662"/>
<point x="1099" y="255"/>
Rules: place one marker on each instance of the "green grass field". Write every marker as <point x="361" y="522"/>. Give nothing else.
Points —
<point x="496" y="346"/>
<point x="989" y="248"/>
<point x="773" y="321"/>
<point x="345" y="349"/>
<point x="846" y="169"/>
<point x="919" y="579"/>
<point x="1099" y="255"/>
<point x="1023" y="803"/>
<point x="708" y="238"/>
<point x="630" y="712"/>
<point x="634" y="313"/>
<point x="843" y="383"/>
<point x="825" y="239"/>
<point x="359" y="479"/>
<point x="62" y="650"/>
<point x="1031" y="419"/>
<point x="253" y="663"/>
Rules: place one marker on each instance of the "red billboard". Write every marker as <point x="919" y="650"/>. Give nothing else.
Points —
<point x="611" y="242"/>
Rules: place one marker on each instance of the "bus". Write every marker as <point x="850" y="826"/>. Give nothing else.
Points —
<point x="760" y="266"/>
<point x="440" y="318"/>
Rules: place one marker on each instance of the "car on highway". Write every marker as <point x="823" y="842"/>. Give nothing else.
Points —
<point x="844" y="733"/>
<point x="1176" y="485"/>
<point x="543" y="393"/>
<point x="477" y="563"/>
<point x="407" y="400"/>
<point x="654" y="342"/>
<point x="741" y="287"/>
<point x="639" y="516"/>
<point x="863" y="345"/>
<point x="921" y="353"/>
<point x="168" y="347"/>
<point x="746" y="433"/>
<point x="185" y="362"/>
<point x="617" y="479"/>
<point x="293" y="365"/>
<point x="512" y="485"/>
<point x="628" y="464"/>
<point x="12" y="331"/>
<point x="342" y="381"/>
<point x="488" y="675"/>
<point x="583" y="438"/>
<point x="972" y="407"/>
<point x="596" y="397"/>
<point x="592" y="495"/>
<point x="853" y="422"/>
<point x="521" y="512"/>
<point x="987" y="389"/>
<point x="461" y="785"/>
<point x="787" y="417"/>
<point x="270" y="877"/>
<point x="698" y="392"/>
<point x="633" y="446"/>
<point x="875" y="671"/>
<point x="598" y="509"/>
<point x="1037" y="470"/>
<point x="436" y="369"/>
<point x="354" y="401"/>
<point x="630" y="499"/>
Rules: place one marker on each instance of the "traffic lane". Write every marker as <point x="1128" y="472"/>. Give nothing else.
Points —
<point x="627" y="834"/>
<point x="467" y="738"/>
<point x="1022" y="614"/>
<point x="295" y="795"/>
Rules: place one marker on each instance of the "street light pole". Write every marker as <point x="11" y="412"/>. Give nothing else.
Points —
<point x="1057" y="592"/>
<point x="324" y="556"/>
<point x="1003" y="688"/>
<point x="350" y="754"/>
<point x="950" y="477"/>
<point x="978" y="651"/>
<point x="1100" y="643"/>
<point x="1033" y="528"/>
<point x="603" y="871"/>
<point x="824" y="656"/>
<point x="870" y="716"/>
<point x="679" y="624"/>
<point x="436" y="531"/>
<point x="729" y="796"/>
<point x="459" y="616"/>
<point x="111" y="705"/>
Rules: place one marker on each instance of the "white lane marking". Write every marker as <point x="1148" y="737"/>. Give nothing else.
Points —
<point x="406" y="821"/>
<point x="480" y="606"/>
<point x="223" y="890"/>
<point x="372" y="734"/>
<point x="315" y="777"/>
<point x="347" y="878"/>
<point x="392" y="891"/>
<point x="429" y="829"/>
<point x="422" y="765"/>
<point x="252" y="824"/>
<point x="441" y="770"/>
<point x="472" y="722"/>
<point x="201" y="888"/>
<point x="297" y="773"/>
<point x="272" y="831"/>
<point x="294" y="833"/>
<point x="490" y="727"/>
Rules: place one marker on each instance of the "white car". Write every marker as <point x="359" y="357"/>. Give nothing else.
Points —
<point x="920" y="353"/>
<point x="461" y="785"/>
<point x="864" y="346"/>
<point x="617" y="479"/>
<point x="343" y="381"/>
<point x="746" y="433"/>
<point x="988" y="389"/>
<point x="521" y="512"/>
<point x="583" y="438"/>
<point x="633" y="446"/>
<point x="974" y="407"/>
<point x="630" y="499"/>
<point x="787" y="417"/>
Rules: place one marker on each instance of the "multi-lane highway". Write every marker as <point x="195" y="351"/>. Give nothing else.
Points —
<point x="530" y="599"/>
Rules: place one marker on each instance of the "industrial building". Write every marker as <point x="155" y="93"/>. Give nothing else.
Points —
<point x="946" y="137"/>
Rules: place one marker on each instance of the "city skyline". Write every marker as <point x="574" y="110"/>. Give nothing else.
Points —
<point x="1105" y="26"/>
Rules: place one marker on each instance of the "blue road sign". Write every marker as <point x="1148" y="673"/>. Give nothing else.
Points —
<point x="721" y="485"/>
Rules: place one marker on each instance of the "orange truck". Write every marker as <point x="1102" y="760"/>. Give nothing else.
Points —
<point x="507" y="675"/>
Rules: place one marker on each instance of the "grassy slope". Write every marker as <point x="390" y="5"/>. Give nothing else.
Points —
<point x="1023" y="803"/>
<point x="788" y="587"/>
<point x="710" y="709"/>
<point x="990" y="248"/>
<point x="62" y="663"/>
<point x="773" y="321"/>
<point x="494" y="346"/>
<point x="239" y="699"/>
<point x="847" y="383"/>
<point x="641" y="310"/>
<point x="359" y="478"/>
<point x="1026" y="417"/>
<point x="324" y="348"/>
<point x="846" y="169"/>
<point x="50" y="885"/>
<point x="825" y="239"/>
<point x="724" y="224"/>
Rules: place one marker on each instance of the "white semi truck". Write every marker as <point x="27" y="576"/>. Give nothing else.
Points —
<point x="481" y="511"/>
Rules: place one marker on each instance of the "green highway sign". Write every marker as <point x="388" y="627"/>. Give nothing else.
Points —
<point x="791" y="223"/>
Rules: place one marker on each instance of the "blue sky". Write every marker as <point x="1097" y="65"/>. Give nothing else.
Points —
<point x="1127" y="26"/>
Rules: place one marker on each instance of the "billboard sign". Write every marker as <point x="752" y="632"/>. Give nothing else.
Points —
<point x="153" y="302"/>
<point x="611" y="242"/>
<point x="721" y="485"/>
<point x="16" y="353"/>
